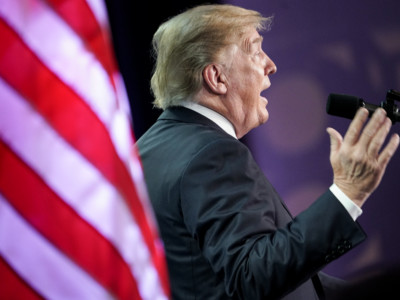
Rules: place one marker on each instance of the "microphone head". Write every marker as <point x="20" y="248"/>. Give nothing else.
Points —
<point x="344" y="106"/>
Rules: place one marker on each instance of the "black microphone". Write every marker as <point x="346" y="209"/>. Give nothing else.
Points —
<point x="346" y="106"/>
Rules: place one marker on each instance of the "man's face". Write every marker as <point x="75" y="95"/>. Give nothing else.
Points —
<point x="247" y="74"/>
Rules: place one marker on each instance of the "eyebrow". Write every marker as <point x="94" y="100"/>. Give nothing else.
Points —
<point x="258" y="40"/>
<point x="248" y="43"/>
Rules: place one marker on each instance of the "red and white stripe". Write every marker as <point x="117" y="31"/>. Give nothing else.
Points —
<point x="75" y="220"/>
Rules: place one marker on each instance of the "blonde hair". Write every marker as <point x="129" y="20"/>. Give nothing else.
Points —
<point x="185" y="44"/>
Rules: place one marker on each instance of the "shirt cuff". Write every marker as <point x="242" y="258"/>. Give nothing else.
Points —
<point x="354" y="210"/>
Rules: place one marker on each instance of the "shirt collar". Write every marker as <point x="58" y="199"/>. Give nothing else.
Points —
<point x="217" y="118"/>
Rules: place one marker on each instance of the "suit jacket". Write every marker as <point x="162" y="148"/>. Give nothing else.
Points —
<point x="226" y="232"/>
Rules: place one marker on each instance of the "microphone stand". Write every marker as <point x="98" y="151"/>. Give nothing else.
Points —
<point x="390" y="106"/>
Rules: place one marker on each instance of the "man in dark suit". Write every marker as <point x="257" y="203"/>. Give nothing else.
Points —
<point x="227" y="234"/>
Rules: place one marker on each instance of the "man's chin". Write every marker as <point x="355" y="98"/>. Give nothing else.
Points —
<point x="264" y="117"/>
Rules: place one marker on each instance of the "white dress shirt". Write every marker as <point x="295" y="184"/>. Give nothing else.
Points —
<point x="227" y="126"/>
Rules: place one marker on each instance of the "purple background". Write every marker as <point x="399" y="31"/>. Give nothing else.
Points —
<point x="322" y="47"/>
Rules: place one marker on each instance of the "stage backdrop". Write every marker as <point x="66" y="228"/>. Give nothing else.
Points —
<point x="322" y="47"/>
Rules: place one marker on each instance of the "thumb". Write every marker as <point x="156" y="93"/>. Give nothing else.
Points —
<point x="335" y="138"/>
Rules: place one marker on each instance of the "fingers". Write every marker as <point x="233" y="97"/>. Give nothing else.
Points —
<point x="356" y="125"/>
<point x="389" y="150"/>
<point x="372" y="137"/>
<point x="335" y="138"/>
<point x="373" y="130"/>
<point x="377" y="139"/>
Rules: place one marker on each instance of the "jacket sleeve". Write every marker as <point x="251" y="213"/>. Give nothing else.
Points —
<point x="231" y="209"/>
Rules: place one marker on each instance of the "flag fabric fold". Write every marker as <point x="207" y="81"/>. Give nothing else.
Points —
<point x="75" y="220"/>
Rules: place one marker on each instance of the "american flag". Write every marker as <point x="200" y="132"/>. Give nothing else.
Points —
<point x="75" y="220"/>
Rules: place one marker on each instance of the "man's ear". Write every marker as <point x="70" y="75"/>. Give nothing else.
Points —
<point x="215" y="79"/>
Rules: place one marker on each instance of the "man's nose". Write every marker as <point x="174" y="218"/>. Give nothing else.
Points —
<point x="270" y="67"/>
